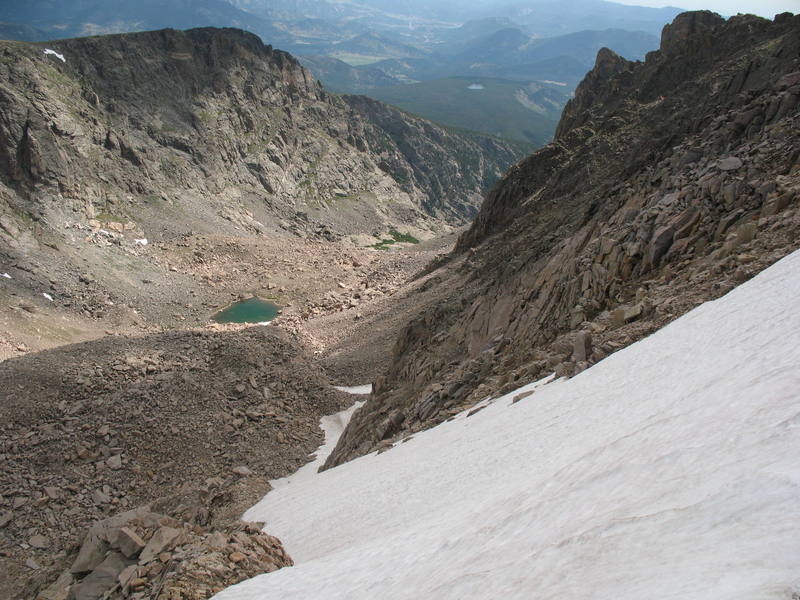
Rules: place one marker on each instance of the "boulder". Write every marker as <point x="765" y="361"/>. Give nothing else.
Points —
<point x="582" y="347"/>
<point x="660" y="243"/>
<point x="165" y="538"/>
<point x="39" y="541"/>
<point x="730" y="163"/>
<point x="101" y="579"/>
<point x="129" y="542"/>
<point x="58" y="590"/>
<point x="91" y="554"/>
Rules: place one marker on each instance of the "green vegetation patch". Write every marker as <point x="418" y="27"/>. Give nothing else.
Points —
<point x="396" y="238"/>
<point x="106" y="217"/>
<point x="356" y="60"/>
<point x="403" y="237"/>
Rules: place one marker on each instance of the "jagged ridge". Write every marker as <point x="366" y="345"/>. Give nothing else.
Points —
<point x="213" y="119"/>
<point x="670" y="181"/>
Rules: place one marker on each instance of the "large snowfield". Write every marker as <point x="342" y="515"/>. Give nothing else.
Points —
<point x="669" y="470"/>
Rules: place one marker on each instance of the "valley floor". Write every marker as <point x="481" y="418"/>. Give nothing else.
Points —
<point x="328" y="291"/>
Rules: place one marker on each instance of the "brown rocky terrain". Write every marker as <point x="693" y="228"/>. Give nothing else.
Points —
<point x="147" y="181"/>
<point x="193" y="423"/>
<point x="669" y="182"/>
<point x="138" y="173"/>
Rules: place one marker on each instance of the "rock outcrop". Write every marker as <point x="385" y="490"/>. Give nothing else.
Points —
<point x="669" y="182"/>
<point x="143" y="554"/>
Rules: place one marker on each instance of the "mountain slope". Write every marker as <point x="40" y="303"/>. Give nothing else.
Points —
<point x="670" y="466"/>
<point x="669" y="181"/>
<point x="91" y="421"/>
<point x="338" y="76"/>
<point x="135" y="148"/>
<point x="237" y="112"/>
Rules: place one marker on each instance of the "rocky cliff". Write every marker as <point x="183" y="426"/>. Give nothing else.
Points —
<point x="669" y="181"/>
<point x="214" y="122"/>
<point x="132" y="165"/>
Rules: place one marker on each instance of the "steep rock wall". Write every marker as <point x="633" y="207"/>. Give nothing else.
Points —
<point x="670" y="181"/>
<point x="217" y="124"/>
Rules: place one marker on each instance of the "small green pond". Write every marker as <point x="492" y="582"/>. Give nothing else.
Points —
<point x="252" y="310"/>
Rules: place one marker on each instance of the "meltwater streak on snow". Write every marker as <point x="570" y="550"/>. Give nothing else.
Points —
<point x="669" y="470"/>
<point x="332" y="426"/>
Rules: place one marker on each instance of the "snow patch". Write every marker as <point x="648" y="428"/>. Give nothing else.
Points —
<point x="333" y="426"/>
<point x="671" y="469"/>
<point x="141" y="242"/>
<point x="5" y="276"/>
<point x="56" y="54"/>
<point x="356" y="389"/>
<point x="48" y="296"/>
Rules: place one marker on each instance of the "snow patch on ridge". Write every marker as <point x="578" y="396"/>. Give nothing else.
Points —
<point x="671" y="470"/>
<point x="56" y="54"/>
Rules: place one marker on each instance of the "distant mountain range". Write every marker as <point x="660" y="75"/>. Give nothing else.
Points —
<point x="507" y="83"/>
<point x="297" y="25"/>
<point x="526" y="112"/>
<point x="77" y="18"/>
<point x="373" y="44"/>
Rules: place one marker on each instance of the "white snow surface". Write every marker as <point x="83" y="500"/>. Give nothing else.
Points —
<point x="5" y="276"/>
<point x="333" y="427"/>
<point x="47" y="296"/>
<point x="141" y="241"/>
<point x="355" y="389"/>
<point x="56" y="54"/>
<point x="670" y="470"/>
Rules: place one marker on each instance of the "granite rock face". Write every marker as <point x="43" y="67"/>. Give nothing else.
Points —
<point x="213" y="127"/>
<point x="669" y="182"/>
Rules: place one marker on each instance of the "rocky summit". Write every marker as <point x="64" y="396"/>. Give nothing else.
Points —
<point x="669" y="182"/>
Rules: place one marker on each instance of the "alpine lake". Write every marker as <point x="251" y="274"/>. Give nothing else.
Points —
<point x="252" y="310"/>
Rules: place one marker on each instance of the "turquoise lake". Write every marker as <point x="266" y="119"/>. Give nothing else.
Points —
<point x="252" y="310"/>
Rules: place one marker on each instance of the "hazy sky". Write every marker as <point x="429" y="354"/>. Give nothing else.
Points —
<point x="765" y="8"/>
